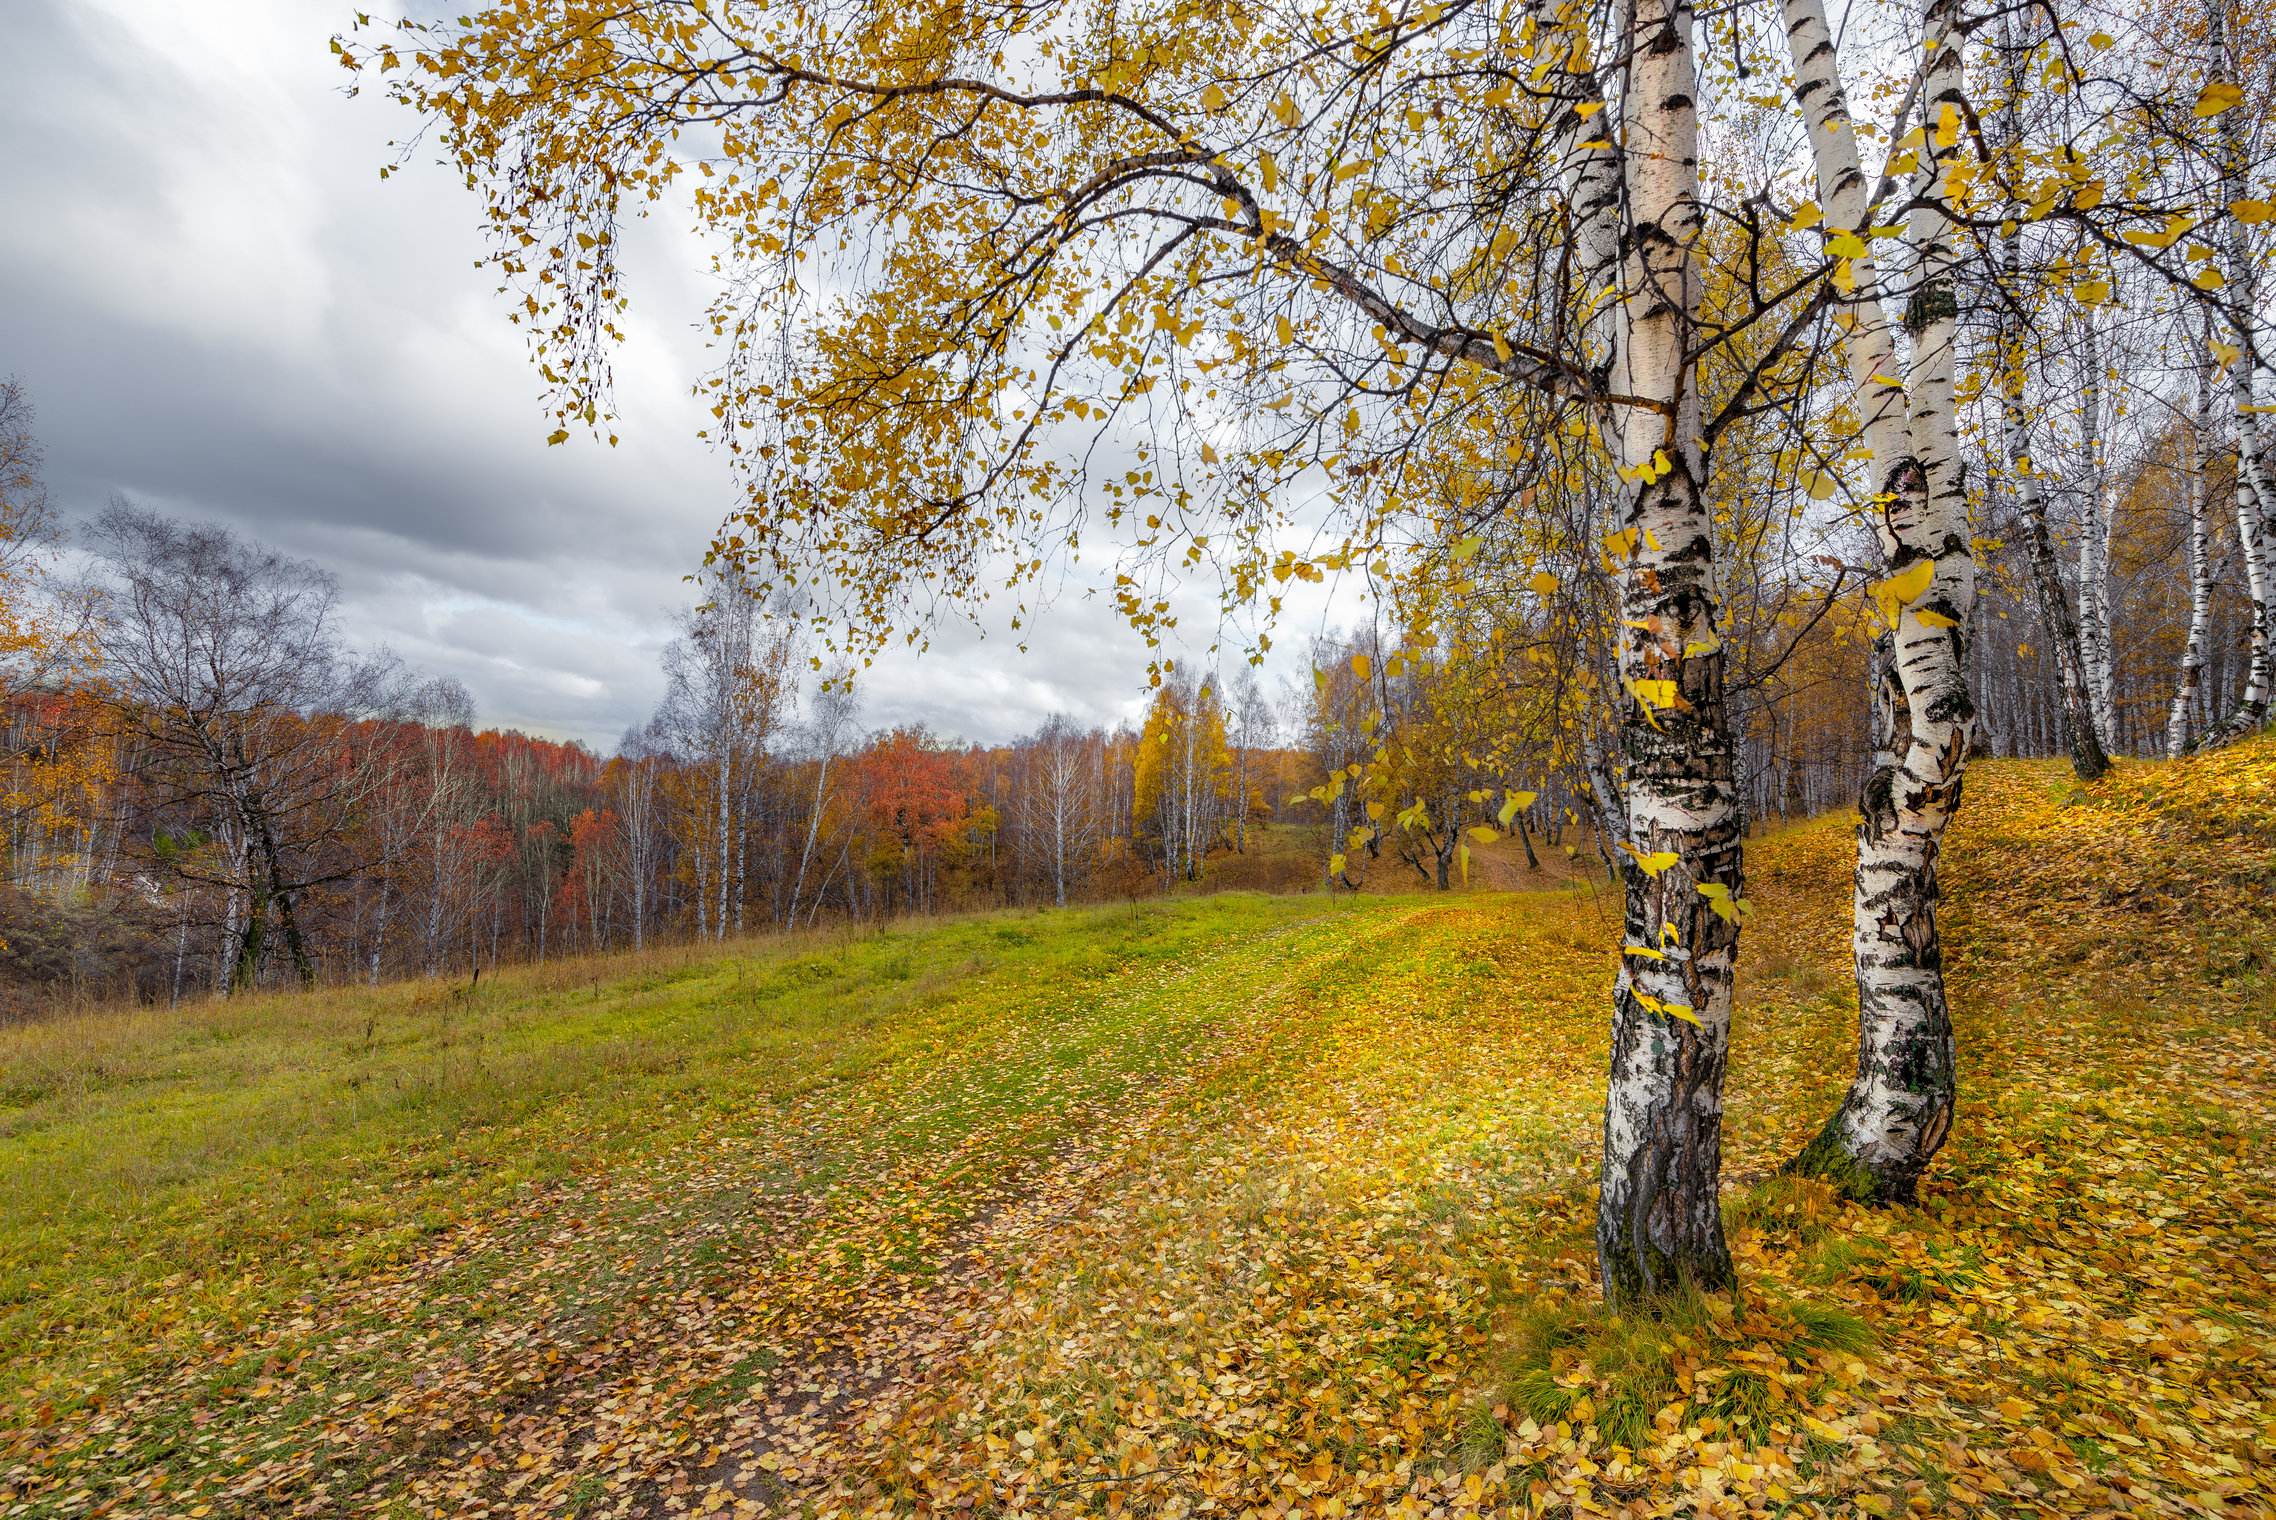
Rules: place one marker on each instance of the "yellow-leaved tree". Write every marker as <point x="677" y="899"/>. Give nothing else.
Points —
<point x="1215" y="288"/>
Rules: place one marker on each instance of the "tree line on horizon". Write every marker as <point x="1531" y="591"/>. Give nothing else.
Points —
<point x="209" y="792"/>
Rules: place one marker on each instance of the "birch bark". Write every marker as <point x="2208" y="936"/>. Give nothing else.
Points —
<point x="1659" y="1222"/>
<point x="1899" y="1108"/>
<point x="2255" y="504"/>
<point x="2200" y="570"/>
<point x="2088" y="758"/>
<point x="2094" y="541"/>
<point x="2060" y="628"/>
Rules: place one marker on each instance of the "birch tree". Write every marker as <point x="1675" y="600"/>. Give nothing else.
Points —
<point x="1254" y="254"/>
<point x="2191" y="674"/>
<point x="1253" y="732"/>
<point x="640" y="756"/>
<point x="413" y="800"/>
<point x="2094" y="524"/>
<point x="825" y="735"/>
<point x="1899" y="1109"/>
<point x="2243" y="357"/>
<point x="727" y="692"/>
<point x="228" y="658"/>
<point x="1059" y="812"/>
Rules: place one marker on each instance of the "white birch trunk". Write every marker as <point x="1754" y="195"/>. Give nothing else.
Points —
<point x="2255" y="504"/>
<point x="2058" y="625"/>
<point x="1659" y="1221"/>
<point x="726" y="819"/>
<point x="1590" y="168"/>
<point x="2200" y="572"/>
<point x="1899" y="1108"/>
<point x="2094" y="545"/>
<point x="813" y="825"/>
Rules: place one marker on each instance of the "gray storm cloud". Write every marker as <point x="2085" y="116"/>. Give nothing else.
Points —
<point x="222" y="311"/>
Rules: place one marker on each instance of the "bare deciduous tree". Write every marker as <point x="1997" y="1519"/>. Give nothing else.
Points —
<point x="229" y="664"/>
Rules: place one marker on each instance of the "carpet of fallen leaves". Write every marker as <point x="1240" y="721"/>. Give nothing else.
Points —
<point x="1257" y="1233"/>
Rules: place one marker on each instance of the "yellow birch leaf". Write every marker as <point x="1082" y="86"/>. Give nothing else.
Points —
<point x="1902" y="589"/>
<point x="2218" y="97"/>
<point x="1670" y="1010"/>
<point x="1654" y="693"/>
<point x="1654" y="863"/>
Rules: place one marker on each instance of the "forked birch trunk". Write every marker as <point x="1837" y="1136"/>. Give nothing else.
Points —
<point x="1899" y="1109"/>
<point x="2255" y="505"/>
<point x="2058" y="625"/>
<point x="2200" y="571"/>
<point x="2094" y="544"/>
<point x="2060" y="628"/>
<point x="1659" y="1221"/>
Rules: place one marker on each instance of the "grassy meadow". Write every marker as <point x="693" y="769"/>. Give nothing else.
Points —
<point x="1231" y="1205"/>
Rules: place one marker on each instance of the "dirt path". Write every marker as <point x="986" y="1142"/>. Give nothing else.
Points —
<point x="791" y="1445"/>
<point x="716" y="1324"/>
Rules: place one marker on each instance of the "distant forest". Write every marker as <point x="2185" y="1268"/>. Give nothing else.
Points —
<point x="209" y="790"/>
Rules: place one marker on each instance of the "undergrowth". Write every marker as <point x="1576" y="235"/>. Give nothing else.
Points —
<point x="1732" y="1364"/>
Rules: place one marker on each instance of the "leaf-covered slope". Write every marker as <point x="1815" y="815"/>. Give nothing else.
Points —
<point x="1299" y="1219"/>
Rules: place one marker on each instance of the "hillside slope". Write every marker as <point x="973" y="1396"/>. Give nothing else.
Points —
<point x="1245" y="1206"/>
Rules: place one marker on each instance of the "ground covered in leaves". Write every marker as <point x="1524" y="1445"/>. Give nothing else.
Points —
<point x="1244" y="1207"/>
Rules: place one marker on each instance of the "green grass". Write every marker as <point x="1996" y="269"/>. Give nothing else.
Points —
<point x="166" y="1176"/>
<point x="1631" y="1375"/>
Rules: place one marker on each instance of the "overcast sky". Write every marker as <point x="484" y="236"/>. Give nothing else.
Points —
<point x="220" y="310"/>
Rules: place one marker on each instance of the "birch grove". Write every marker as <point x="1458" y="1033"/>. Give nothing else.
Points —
<point x="1540" y="297"/>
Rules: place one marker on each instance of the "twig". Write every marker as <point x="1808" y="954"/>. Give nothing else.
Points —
<point x="1100" y="1482"/>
